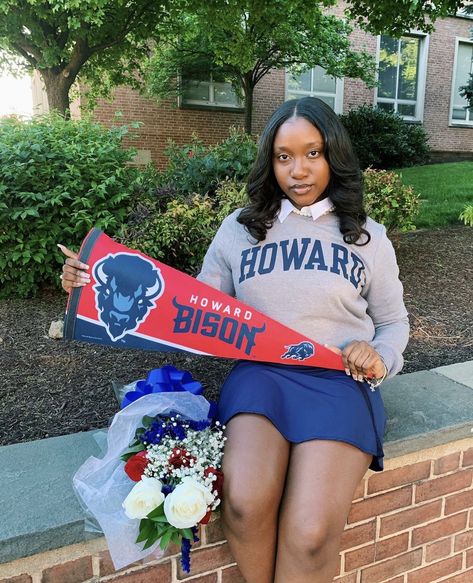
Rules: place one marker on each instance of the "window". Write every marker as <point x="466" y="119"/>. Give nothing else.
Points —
<point x="316" y="83"/>
<point x="463" y="67"/>
<point x="401" y="75"/>
<point x="209" y="92"/>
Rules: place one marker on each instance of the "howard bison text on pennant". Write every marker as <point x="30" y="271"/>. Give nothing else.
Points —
<point x="133" y="301"/>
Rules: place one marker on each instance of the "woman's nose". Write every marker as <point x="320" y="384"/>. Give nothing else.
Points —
<point x="299" y="168"/>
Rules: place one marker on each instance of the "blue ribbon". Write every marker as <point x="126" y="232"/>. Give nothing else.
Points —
<point x="167" y="379"/>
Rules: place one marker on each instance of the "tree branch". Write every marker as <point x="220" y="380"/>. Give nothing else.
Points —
<point x="26" y="55"/>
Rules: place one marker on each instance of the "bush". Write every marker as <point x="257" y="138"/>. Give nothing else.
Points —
<point x="388" y="201"/>
<point x="382" y="139"/>
<point x="196" y="168"/>
<point x="179" y="233"/>
<point x="467" y="215"/>
<point x="57" y="179"/>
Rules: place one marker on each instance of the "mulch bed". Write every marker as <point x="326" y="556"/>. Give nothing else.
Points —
<point x="51" y="387"/>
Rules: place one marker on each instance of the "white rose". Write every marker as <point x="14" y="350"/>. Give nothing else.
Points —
<point x="145" y="496"/>
<point x="187" y="504"/>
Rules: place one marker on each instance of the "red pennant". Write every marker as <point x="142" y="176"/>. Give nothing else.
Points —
<point x="134" y="301"/>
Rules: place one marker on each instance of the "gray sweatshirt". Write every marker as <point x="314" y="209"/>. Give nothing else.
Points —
<point x="305" y="276"/>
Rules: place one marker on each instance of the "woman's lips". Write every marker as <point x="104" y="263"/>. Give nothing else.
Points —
<point x="301" y="188"/>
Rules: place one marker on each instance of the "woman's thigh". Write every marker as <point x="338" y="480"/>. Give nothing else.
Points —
<point x="321" y="481"/>
<point x="254" y="465"/>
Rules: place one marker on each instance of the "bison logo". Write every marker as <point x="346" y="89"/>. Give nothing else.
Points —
<point x="126" y="291"/>
<point x="299" y="351"/>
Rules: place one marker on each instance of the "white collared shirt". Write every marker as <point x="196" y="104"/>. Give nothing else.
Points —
<point x="316" y="210"/>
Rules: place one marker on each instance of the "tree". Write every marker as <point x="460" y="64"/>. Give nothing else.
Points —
<point x="248" y="38"/>
<point x="103" y="41"/>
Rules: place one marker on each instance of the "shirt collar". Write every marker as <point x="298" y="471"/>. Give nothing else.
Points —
<point x="316" y="210"/>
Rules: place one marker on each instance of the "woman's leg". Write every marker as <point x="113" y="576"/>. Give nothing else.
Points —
<point x="254" y="464"/>
<point x="321" y="480"/>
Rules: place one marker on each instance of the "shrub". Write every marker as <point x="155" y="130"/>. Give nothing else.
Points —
<point x="381" y="139"/>
<point x="57" y="179"/>
<point x="389" y="201"/>
<point x="196" y="168"/>
<point x="180" y="232"/>
<point x="467" y="215"/>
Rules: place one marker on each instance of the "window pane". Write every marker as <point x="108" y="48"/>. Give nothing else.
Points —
<point x="196" y="91"/>
<point x="299" y="83"/>
<point x="224" y="94"/>
<point x="293" y="96"/>
<point x="386" y="106"/>
<point x="408" y="68"/>
<point x="328" y="100"/>
<point x="406" y="109"/>
<point x="323" y="82"/>
<point x="464" y="67"/>
<point x="459" y="113"/>
<point x="388" y="61"/>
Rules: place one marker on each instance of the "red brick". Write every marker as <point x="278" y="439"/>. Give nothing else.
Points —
<point x="466" y="577"/>
<point x="398" y="477"/>
<point x="438" y="550"/>
<point x="438" y="529"/>
<point x="463" y="541"/>
<point x="71" y="572"/>
<point x="23" y="578"/>
<point x="390" y="568"/>
<point x="106" y="566"/>
<point x="357" y="535"/>
<point x="458" y="502"/>
<point x="447" y="463"/>
<point x="150" y="574"/>
<point x="468" y="457"/>
<point x="444" y="485"/>
<point x="469" y="558"/>
<point x="214" y="532"/>
<point x="209" y="578"/>
<point x="351" y="578"/>
<point x="436" y="570"/>
<point x="407" y="518"/>
<point x="396" y="580"/>
<point x="359" y="557"/>
<point x="232" y="575"/>
<point x="206" y="559"/>
<point x="392" y="546"/>
<point x="376" y="505"/>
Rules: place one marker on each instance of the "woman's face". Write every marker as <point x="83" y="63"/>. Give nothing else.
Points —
<point x="299" y="163"/>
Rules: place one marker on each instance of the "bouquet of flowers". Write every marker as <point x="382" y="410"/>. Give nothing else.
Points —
<point x="161" y="474"/>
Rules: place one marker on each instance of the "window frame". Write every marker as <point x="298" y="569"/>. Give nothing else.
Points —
<point x="207" y="105"/>
<point x="339" y="91"/>
<point x="458" y="122"/>
<point x="421" y="79"/>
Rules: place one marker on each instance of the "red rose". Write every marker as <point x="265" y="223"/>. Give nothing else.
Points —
<point x="190" y="154"/>
<point x="180" y="458"/>
<point x="206" y="518"/>
<point x="136" y="465"/>
<point x="218" y="483"/>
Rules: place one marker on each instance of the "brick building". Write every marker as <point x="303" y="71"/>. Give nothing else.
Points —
<point x="419" y="77"/>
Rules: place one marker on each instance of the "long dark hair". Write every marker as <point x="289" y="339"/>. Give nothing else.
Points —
<point x="345" y="186"/>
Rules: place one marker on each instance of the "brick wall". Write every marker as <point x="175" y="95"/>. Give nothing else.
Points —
<point x="412" y="523"/>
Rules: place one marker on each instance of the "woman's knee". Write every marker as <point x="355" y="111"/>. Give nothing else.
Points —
<point x="312" y="545"/>
<point x="249" y="509"/>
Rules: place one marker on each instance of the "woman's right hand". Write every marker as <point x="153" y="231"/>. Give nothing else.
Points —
<point x="74" y="272"/>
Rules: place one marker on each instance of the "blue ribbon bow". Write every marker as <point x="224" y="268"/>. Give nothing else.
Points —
<point x="167" y="379"/>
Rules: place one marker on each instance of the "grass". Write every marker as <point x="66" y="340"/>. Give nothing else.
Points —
<point x="445" y="190"/>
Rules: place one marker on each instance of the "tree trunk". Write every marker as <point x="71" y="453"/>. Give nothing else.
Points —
<point x="57" y="87"/>
<point x="248" y="89"/>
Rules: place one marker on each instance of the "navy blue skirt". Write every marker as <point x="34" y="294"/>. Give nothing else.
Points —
<point x="306" y="403"/>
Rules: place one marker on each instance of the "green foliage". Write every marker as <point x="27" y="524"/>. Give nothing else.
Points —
<point x="57" y="180"/>
<point x="467" y="215"/>
<point x="381" y="139"/>
<point x="466" y="91"/>
<point x="388" y="201"/>
<point x="196" y="168"/>
<point x="179" y="231"/>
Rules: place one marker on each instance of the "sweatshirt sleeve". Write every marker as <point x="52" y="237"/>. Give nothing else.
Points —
<point x="216" y="268"/>
<point x="386" y="307"/>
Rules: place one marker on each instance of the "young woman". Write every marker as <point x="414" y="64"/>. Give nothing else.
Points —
<point x="299" y="439"/>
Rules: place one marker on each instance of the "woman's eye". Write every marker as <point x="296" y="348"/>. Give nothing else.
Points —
<point x="283" y="157"/>
<point x="314" y="154"/>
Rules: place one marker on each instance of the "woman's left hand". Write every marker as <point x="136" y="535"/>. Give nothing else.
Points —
<point x="362" y="361"/>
